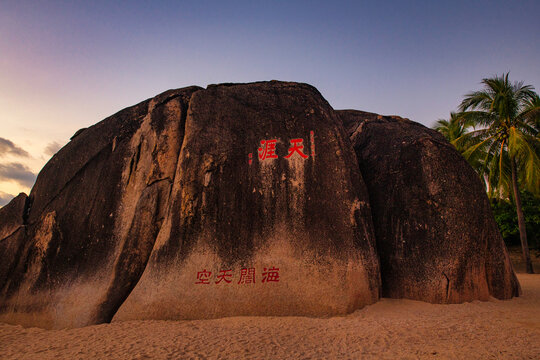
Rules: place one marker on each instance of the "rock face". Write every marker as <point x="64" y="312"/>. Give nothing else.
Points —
<point x="198" y="203"/>
<point x="240" y="204"/>
<point x="436" y="237"/>
<point x="12" y="215"/>
<point x="94" y="204"/>
<point x="246" y="199"/>
<point x="12" y="236"/>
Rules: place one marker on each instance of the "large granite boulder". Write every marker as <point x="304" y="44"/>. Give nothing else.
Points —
<point x="436" y="236"/>
<point x="198" y="203"/>
<point x="246" y="199"/>
<point x="12" y="235"/>
<point x="244" y="203"/>
<point x="12" y="215"/>
<point x="98" y="201"/>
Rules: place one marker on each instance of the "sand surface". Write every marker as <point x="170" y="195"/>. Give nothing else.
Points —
<point x="389" y="329"/>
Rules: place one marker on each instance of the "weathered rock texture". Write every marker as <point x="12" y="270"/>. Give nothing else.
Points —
<point x="146" y="203"/>
<point x="12" y="235"/>
<point x="309" y="217"/>
<point x="12" y="216"/>
<point x="436" y="237"/>
<point x="92" y="216"/>
<point x="194" y="204"/>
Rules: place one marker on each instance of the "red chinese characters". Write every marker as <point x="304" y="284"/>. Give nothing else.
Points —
<point x="224" y="275"/>
<point x="268" y="149"/>
<point x="203" y="277"/>
<point x="312" y="141"/>
<point x="296" y="147"/>
<point x="272" y="275"/>
<point x="247" y="276"/>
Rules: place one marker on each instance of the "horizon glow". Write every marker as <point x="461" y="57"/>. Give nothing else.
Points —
<point x="65" y="66"/>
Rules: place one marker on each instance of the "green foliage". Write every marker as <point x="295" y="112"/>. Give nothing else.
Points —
<point x="504" y="149"/>
<point x="505" y="118"/>
<point x="505" y="215"/>
<point x="452" y="129"/>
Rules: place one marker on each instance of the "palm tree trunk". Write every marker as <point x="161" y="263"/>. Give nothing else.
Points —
<point x="521" y="220"/>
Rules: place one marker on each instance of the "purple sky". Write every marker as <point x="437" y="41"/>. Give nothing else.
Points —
<point x="67" y="65"/>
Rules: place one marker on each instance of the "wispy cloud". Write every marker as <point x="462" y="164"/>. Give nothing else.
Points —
<point x="8" y="147"/>
<point x="5" y="198"/>
<point x="17" y="172"/>
<point x="52" y="148"/>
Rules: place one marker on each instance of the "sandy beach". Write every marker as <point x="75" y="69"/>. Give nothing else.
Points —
<point x="388" y="329"/>
<point x="269" y="180"/>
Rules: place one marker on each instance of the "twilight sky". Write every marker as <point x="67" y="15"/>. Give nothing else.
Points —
<point x="67" y="65"/>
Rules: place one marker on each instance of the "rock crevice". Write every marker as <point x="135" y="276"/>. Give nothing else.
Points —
<point x="185" y="205"/>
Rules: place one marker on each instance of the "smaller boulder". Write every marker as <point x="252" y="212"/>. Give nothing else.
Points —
<point x="435" y="232"/>
<point x="12" y="215"/>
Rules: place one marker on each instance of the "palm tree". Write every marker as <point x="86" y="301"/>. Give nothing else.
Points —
<point x="505" y="141"/>
<point x="451" y="129"/>
<point x="532" y="112"/>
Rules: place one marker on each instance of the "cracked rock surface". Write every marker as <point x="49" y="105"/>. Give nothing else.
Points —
<point x="181" y="206"/>
<point x="121" y="220"/>
<point x="436" y="237"/>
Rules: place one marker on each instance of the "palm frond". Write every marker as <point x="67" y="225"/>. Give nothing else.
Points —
<point x="477" y="118"/>
<point x="521" y="147"/>
<point x="505" y="117"/>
